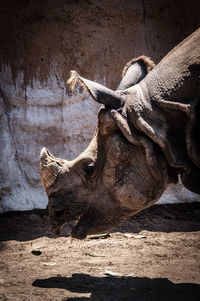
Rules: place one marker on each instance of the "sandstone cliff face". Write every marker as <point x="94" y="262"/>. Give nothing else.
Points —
<point x="40" y="44"/>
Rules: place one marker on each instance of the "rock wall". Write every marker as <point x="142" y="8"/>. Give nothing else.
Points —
<point x="40" y="42"/>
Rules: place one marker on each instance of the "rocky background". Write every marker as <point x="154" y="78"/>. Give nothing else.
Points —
<point x="40" y="42"/>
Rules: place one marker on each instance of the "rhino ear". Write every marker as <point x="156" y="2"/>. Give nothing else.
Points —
<point x="134" y="71"/>
<point x="98" y="92"/>
<point x="49" y="168"/>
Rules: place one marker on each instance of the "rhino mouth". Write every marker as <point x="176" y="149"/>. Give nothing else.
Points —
<point x="56" y="224"/>
<point x="91" y="222"/>
<point x="79" y="228"/>
<point x="86" y="223"/>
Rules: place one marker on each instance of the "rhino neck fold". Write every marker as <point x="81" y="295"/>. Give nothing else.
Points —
<point x="175" y="78"/>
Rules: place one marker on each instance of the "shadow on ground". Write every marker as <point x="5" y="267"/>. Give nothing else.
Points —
<point x="122" y="288"/>
<point x="33" y="224"/>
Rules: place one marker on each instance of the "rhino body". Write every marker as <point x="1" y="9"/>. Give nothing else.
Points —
<point x="147" y="135"/>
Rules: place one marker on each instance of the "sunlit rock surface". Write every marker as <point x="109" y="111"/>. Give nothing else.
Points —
<point x="43" y="115"/>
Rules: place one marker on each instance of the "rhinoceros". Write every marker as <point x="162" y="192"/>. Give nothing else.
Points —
<point x="147" y="135"/>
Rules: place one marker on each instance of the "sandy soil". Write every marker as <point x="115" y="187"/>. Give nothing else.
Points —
<point x="153" y="256"/>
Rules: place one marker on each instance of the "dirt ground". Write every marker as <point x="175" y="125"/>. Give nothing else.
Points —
<point x="153" y="256"/>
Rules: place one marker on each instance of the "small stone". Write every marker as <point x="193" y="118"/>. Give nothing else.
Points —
<point x="2" y="281"/>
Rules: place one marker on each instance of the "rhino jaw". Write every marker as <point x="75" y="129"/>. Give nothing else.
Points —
<point x="91" y="222"/>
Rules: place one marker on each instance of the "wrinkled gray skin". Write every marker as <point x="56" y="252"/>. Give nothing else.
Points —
<point x="146" y="136"/>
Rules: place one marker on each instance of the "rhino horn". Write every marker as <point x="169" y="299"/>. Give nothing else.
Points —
<point x="101" y="94"/>
<point x="49" y="168"/>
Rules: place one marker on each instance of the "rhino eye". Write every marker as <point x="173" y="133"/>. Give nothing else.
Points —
<point x="88" y="168"/>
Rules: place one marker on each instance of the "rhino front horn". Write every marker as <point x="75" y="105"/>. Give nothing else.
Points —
<point x="49" y="168"/>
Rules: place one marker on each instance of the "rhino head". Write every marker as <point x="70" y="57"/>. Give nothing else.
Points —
<point x="105" y="185"/>
<point x="110" y="181"/>
<point x="146" y="136"/>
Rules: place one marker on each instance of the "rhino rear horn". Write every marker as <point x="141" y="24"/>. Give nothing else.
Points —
<point x="134" y="71"/>
<point x="101" y="94"/>
<point x="49" y="168"/>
